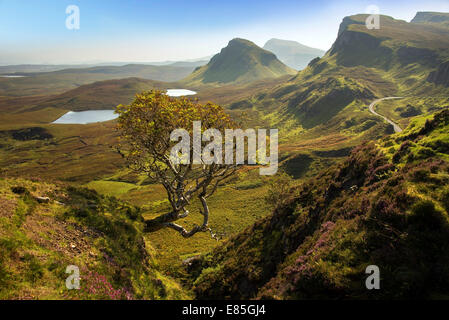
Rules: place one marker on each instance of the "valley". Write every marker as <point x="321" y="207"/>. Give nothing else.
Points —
<point x="363" y="157"/>
<point x="371" y="109"/>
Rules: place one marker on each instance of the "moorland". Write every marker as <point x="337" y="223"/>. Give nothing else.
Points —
<point x="351" y="192"/>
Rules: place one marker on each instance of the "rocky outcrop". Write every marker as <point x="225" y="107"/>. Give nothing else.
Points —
<point x="354" y="48"/>
<point x="407" y="55"/>
<point x="441" y="75"/>
<point x="433" y="17"/>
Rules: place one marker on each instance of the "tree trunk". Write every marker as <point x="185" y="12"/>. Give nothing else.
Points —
<point x="167" y="221"/>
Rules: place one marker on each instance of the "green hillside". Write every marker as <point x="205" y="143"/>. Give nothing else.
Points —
<point x="432" y="17"/>
<point x="100" y="95"/>
<point x="333" y="93"/>
<point x="387" y="204"/>
<point x="357" y="193"/>
<point x="292" y="53"/>
<point x="40" y="237"/>
<point x="240" y="62"/>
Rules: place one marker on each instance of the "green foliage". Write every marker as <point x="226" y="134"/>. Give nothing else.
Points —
<point x="34" y="268"/>
<point x="279" y="189"/>
<point x="364" y="211"/>
<point x="101" y="235"/>
<point x="240" y="62"/>
<point x="146" y="124"/>
<point x="250" y="184"/>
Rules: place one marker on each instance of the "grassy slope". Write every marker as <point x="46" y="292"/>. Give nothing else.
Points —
<point x="101" y="95"/>
<point x="326" y="105"/>
<point x="71" y="153"/>
<point x="71" y="158"/>
<point x="362" y="64"/>
<point x="239" y="63"/>
<point x="387" y="204"/>
<point x="432" y="18"/>
<point x="100" y="235"/>
<point x="81" y="153"/>
<point x="228" y="216"/>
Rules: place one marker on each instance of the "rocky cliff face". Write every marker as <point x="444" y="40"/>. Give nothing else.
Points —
<point x="441" y="75"/>
<point x="432" y="17"/>
<point x="354" y="48"/>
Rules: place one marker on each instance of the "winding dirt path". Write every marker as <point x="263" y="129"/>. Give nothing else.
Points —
<point x="396" y="127"/>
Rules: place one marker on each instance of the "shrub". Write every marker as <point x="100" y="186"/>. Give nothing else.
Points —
<point x="19" y="190"/>
<point x="246" y="185"/>
<point x="34" y="270"/>
<point x="279" y="189"/>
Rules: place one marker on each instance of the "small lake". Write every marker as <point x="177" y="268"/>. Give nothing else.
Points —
<point x="12" y="76"/>
<point x="85" y="117"/>
<point x="93" y="116"/>
<point x="180" y="92"/>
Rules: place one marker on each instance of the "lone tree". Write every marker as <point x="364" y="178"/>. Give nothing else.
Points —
<point x="145" y="129"/>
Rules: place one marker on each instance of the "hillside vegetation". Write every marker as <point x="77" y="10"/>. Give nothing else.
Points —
<point x="356" y="193"/>
<point x="432" y="17"/>
<point x="100" y="95"/>
<point x="240" y="62"/>
<point x="332" y="94"/>
<point x="387" y="204"/>
<point x="40" y="237"/>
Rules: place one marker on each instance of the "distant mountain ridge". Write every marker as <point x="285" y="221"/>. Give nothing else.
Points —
<point x="320" y="238"/>
<point x="241" y="61"/>
<point x="292" y="53"/>
<point x="432" y="17"/>
<point x="59" y="81"/>
<point x="37" y="68"/>
<point x="332" y="94"/>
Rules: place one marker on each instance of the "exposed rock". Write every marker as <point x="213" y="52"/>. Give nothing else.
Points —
<point x="354" y="48"/>
<point x="192" y="264"/>
<point x="42" y="199"/>
<point x="432" y="17"/>
<point x="441" y="75"/>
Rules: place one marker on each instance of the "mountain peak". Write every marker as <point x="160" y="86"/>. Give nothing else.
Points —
<point x="432" y="17"/>
<point x="241" y="61"/>
<point x="292" y="53"/>
<point x="241" y="41"/>
<point x="397" y="43"/>
<point x="287" y="43"/>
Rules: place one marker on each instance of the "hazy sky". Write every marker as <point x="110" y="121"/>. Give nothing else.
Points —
<point x="34" y="31"/>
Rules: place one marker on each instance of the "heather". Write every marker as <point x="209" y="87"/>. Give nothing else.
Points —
<point x="385" y="205"/>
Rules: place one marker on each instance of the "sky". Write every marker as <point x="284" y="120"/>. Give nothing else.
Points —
<point x="35" y="31"/>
